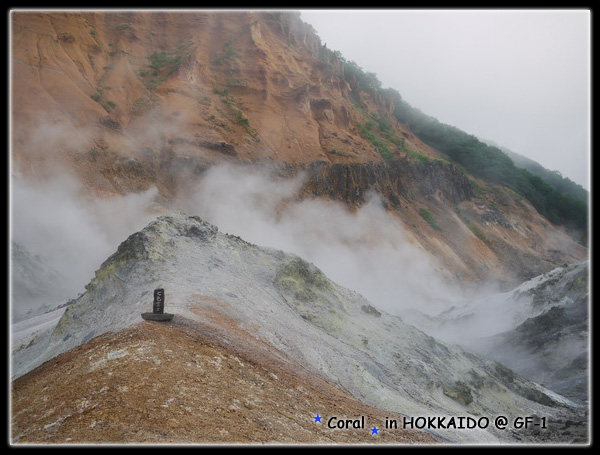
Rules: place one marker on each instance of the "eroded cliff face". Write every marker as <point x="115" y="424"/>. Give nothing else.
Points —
<point x="475" y="234"/>
<point x="133" y="100"/>
<point x="252" y="79"/>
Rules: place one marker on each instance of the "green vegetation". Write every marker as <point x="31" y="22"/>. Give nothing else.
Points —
<point x="491" y="164"/>
<point x="477" y="188"/>
<point x="123" y="26"/>
<point x="107" y="105"/>
<point x="368" y="131"/>
<point x="556" y="198"/>
<point x="353" y="73"/>
<point x="235" y="114"/>
<point x="379" y="132"/>
<point x="472" y="227"/>
<point x="240" y="118"/>
<point x="419" y="156"/>
<point x="553" y="178"/>
<point x="163" y="64"/>
<point x="427" y="216"/>
<point x="221" y="91"/>
<point x="227" y="54"/>
<point x="160" y="60"/>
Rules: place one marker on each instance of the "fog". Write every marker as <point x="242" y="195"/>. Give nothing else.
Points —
<point x="70" y="232"/>
<point x="57" y="219"/>
<point x="368" y="251"/>
<point x="519" y="78"/>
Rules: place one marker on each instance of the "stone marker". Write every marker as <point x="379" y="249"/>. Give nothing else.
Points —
<point x="159" y="301"/>
<point x="158" y="308"/>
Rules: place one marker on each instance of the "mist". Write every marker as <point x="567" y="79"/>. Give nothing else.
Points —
<point x="521" y="78"/>
<point x="368" y="251"/>
<point x="70" y="232"/>
<point x="56" y="218"/>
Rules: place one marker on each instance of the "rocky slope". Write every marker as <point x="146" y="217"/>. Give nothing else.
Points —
<point x="540" y="329"/>
<point x="552" y="346"/>
<point x="35" y="286"/>
<point x="266" y="299"/>
<point x="475" y="236"/>
<point x="125" y="115"/>
<point x="128" y="101"/>
<point x="186" y="383"/>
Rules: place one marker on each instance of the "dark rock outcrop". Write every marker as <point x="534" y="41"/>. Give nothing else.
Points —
<point x="404" y="178"/>
<point x="551" y="348"/>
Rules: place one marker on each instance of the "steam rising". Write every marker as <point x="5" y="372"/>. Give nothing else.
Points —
<point x="368" y="251"/>
<point x="70" y="232"/>
<point x="57" y="220"/>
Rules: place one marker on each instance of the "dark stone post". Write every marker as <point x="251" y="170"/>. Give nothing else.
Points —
<point x="158" y="308"/>
<point x="159" y="301"/>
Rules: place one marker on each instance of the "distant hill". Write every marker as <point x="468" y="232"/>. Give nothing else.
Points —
<point x="244" y="122"/>
<point x="491" y="164"/>
<point x="131" y="101"/>
<point x="554" y="178"/>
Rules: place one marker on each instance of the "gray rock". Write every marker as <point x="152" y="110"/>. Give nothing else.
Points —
<point x="159" y="317"/>
<point x="291" y="305"/>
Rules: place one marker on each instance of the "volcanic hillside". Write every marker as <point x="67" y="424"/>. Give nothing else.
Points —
<point x="128" y="101"/>
<point x="261" y="341"/>
<point x="183" y="383"/>
<point x="125" y="119"/>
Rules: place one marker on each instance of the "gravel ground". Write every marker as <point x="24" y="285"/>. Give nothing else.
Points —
<point x="183" y="383"/>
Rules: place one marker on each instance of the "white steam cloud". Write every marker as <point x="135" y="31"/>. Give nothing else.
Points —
<point x="70" y="232"/>
<point x="368" y="251"/>
<point x="57" y="219"/>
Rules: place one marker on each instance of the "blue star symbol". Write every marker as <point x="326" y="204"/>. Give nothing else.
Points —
<point x="317" y="419"/>
<point x="374" y="430"/>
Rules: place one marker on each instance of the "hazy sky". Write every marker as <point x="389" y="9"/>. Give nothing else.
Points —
<point x="520" y="78"/>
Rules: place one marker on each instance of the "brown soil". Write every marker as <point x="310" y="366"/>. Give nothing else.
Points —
<point x="184" y="383"/>
<point x="245" y="86"/>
